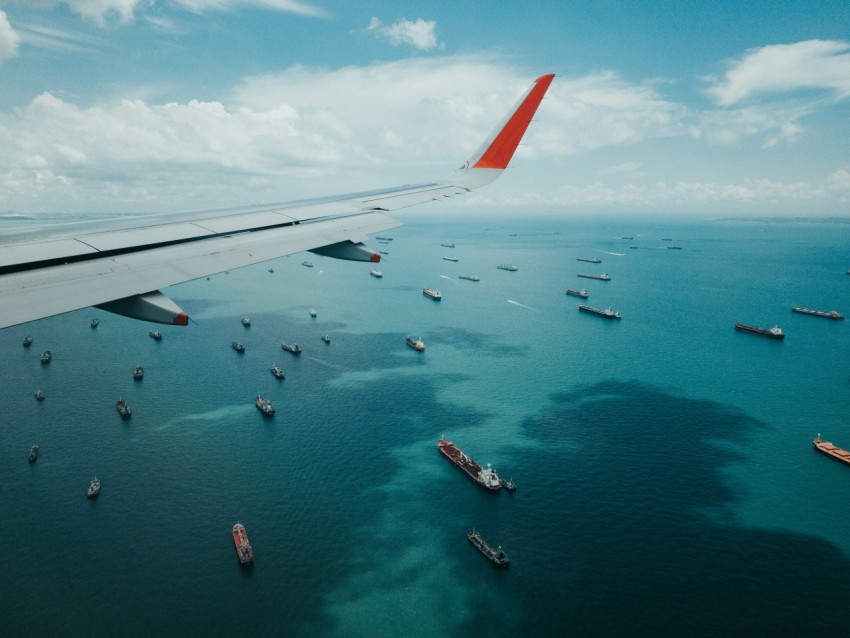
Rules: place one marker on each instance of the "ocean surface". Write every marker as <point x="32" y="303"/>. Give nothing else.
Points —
<point x="667" y="484"/>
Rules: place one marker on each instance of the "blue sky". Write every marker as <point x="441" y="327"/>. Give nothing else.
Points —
<point x="700" y="109"/>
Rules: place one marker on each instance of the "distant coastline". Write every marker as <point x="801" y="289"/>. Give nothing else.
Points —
<point x="787" y="220"/>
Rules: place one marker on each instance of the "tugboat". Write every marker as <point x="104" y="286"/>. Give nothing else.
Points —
<point x="326" y="338"/>
<point x="95" y="322"/>
<point x="27" y="341"/>
<point x="772" y="333"/>
<point x="246" y="321"/>
<point x="826" y="314"/>
<point x="45" y="356"/>
<point x="243" y="547"/>
<point x="39" y="395"/>
<point x="377" y="274"/>
<point x="313" y="312"/>
<point x="436" y="295"/>
<point x="608" y="313"/>
<point x="470" y="277"/>
<point x="486" y="478"/>
<point x="417" y="344"/>
<point x="602" y="277"/>
<point x="264" y="405"/>
<point x="495" y="556"/>
<point x="156" y="335"/>
<point x="577" y="293"/>
<point x="278" y="372"/>
<point x="138" y="373"/>
<point x="94" y="488"/>
<point x="294" y="348"/>
<point x="238" y="346"/>
<point x="508" y="267"/>
<point x="123" y="409"/>
<point x="508" y="485"/>
<point x="33" y="453"/>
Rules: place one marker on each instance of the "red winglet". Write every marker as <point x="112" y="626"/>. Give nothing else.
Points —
<point x="181" y="320"/>
<point x="501" y="150"/>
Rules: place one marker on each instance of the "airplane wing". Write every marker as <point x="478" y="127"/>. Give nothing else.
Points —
<point x="122" y="270"/>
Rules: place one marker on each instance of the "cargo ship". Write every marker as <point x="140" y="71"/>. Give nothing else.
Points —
<point x="436" y="295"/>
<point x="237" y="346"/>
<point x="578" y="293"/>
<point x="417" y="344"/>
<point x="602" y="277"/>
<point x="264" y="405"/>
<point x="607" y="313"/>
<point x="825" y="447"/>
<point x="33" y="453"/>
<point x="123" y="409"/>
<point x="772" y="333"/>
<point x="827" y="314"/>
<point x="294" y="348"/>
<point x="590" y="260"/>
<point x="470" y="277"/>
<point x="486" y="478"/>
<point x="495" y="556"/>
<point x="508" y="267"/>
<point x="138" y="372"/>
<point x="243" y="547"/>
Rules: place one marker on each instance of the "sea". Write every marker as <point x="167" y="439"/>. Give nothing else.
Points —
<point x="666" y="479"/>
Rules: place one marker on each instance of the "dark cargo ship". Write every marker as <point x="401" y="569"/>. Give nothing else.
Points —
<point x="772" y="333"/>
<point x="486" y="478"/>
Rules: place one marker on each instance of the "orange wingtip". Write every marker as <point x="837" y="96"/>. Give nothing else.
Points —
<point x="181" y="320"/>
<point x="375" y="258"/>
<point x="501" y="150"/>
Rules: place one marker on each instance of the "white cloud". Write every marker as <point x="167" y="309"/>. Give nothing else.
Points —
<point x="783" y="68"/>
<point x="420" y="34"/>
<point x="9" y="40"/>
<point x="99" y="11"/>
<point x="839" y="184"/>
<point x="285" y="6"/>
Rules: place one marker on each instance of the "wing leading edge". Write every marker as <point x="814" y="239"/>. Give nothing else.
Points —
<point x="122" y="270"/>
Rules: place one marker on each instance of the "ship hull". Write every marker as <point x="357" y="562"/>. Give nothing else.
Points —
<point x="488" y="479"/>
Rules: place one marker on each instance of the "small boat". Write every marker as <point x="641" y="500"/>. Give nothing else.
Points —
<point x="602" y="277"/>
<point x="264" y="405"/>
<point x="237" y="346"/>
<point x="94" y="322"/>
<point x="826" y="314"/>
<point x="27" y="341"/>
<point x="674" y="248"/>
<point x="33" y="453"/>
<point x="39" y="395"/>
<point x="470" y="277"/>
<point x="294" y="348"/>
<point x="436" y="295"/>
<point x="46" y="356"/>
<point x="377" y="274"/>
<point x="156" y="335"/>
<point x="416" y="344"/>
<point x="313" y="313"/>
<point x="590" y="260"/>
<point x="308" y="264"/>
<point x="608" y="313"/>
<point x="138" y="372"/>
<point x="326" y="338"/>
<point x="123" y="409"/>
<point x="271" y="269"/>
<point x="278" y="372"/>
<point x="626" y="237"/>
<point x="451" y="259"/>
<point x="508" y="267"/>
<point x="508" y="484"/>
<point x="577" y="293"/>
<point x="243" y="547"/>
<point x="772" y="333"/>
<point x="495" y="556"/>
<point x="246" y="321"/>
<point x="94" y="488"/>
<point x="383" y="252"/>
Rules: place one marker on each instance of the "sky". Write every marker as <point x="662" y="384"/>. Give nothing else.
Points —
<point x="726" y="108"/>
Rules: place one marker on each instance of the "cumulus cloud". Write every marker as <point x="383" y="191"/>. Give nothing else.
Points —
<point x="420" y="34"/>
<point x="783" y="68"/>
<point x="100" y="11"/>
<point x="9" y="40"/>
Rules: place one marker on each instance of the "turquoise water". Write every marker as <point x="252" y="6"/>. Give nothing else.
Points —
<point x="666" y="481"/>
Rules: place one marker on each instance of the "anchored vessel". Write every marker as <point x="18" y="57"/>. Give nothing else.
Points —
<point x="246" y="321"/>
<point x="607" y="313"/>
<point x="436" y="295"/>
<point x="450" y="245"/>
<point x="326" y="338"/>
<point x="416" y="344"/>
<point x="139" y="372"/>
<point x="508" y="267"/>
<point x="602" y="277"/>
<point x="829" y="449"/>
<point x="243" y="547"/>
<point x="94" y="322"/>
<point x="484" y="477"/>
<point x="27" y="341"/>
<point x="94" y="488"/>
<point x="123" y="408"/>
<point x="773" y="333"/>
<point x="495" y="556"/>
<point x="238" y="346"/>
<point x="508" y="485"/>
<point x="470" y="277"/>
<point x="33" y="453"/>
<point x="827" y="314"/>
<point x="294" y="348"/>
<point x="308" y="264"/>
<point x="155" y="334"/>
<point x="264" y="405"/>
<point x="450" y="259"/>
<point x="45" y="356"/>
<point x="577" y="293"/>
<point x="590" y="260"/>
<point x="278" y="372"/>
<point x="39" y="395"/>
<point x="377" y="274"/>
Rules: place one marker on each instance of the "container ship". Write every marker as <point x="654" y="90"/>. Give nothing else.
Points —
<point x="827" y="314"/>
<point x="825" y="447"/>
<point x="243" y="547"/>
<point x="486" y="478"/>
<point x="608" y="313"/>
<point x="602" y="277"/>
<point x="495" y="556"/>
<point x="773" y="333"/>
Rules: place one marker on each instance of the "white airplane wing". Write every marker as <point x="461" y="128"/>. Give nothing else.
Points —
<point x="122" y="270"/>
